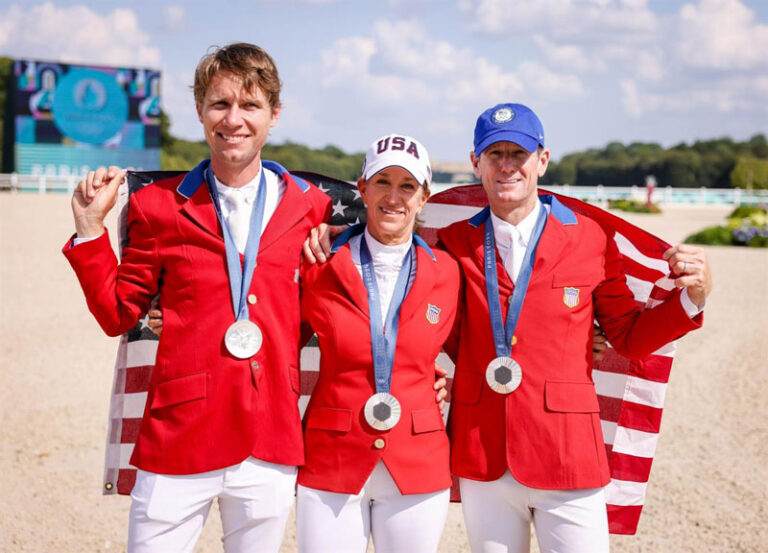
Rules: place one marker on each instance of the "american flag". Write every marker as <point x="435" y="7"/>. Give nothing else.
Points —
<point x="631" y="393"/>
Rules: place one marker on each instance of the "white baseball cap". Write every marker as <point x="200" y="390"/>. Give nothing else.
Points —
<point x="398" y="150"/>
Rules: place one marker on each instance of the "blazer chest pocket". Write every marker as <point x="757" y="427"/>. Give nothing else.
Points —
<point x="180" y="390"/>
<point x="467" y="386"/>
<point x="571" y="397"/>
<point x="574" y="289"/>
<point x="328" y="418"/>
<point x="576" y="279"/>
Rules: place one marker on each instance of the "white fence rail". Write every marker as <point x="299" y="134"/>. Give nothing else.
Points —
<point x="43" y="184"/>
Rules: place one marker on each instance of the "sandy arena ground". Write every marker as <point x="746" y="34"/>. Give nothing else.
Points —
<point x="708" y="489"/>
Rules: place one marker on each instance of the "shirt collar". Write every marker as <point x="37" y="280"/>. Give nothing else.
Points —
<point x="381" y="252"/>
<point x="505" y="232"/>
<point x="248" y="190"/>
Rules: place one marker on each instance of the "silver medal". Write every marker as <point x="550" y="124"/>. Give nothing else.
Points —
<point x="503" y="375"/>
<point x="382" y="411"/>
<point x="243" y="339"/>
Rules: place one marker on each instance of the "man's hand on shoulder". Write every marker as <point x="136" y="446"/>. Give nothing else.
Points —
<point x="317" y="246"/>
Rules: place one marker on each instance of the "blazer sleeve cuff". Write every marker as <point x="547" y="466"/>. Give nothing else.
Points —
<point x="74" y="241"/>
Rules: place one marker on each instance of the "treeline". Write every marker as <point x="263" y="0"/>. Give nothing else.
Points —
<point x="719" y="163"/>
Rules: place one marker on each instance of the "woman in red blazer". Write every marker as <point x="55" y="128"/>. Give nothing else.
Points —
<point x="376" y="448"/>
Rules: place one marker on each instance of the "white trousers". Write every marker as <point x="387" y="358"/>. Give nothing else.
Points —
<point x="498" y="516"/>
<point x="255" y="497"/>
<point x="329" y="522"/>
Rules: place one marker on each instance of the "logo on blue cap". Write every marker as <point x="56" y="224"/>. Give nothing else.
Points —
<point x="503" y="115"/>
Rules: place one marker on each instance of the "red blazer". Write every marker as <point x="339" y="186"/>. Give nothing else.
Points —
<point x="341" y="449"/>
<point x="207" y="409"/>
<point x="547" y="432"/>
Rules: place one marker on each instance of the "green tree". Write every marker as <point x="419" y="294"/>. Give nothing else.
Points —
<point x="166" y="138"/>
<point x="759" y="146"/>
<point x="679" y="168"/>
<point x="750" y="172"/>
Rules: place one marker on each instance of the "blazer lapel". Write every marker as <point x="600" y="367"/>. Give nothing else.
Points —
<point x="477" y="240"/>
<point x="426" y="276"/>
<point x="199" y="208"/>
<point x="553" y="240"/>
<point x="290" y="211"/>
<point x="349" y="278"/>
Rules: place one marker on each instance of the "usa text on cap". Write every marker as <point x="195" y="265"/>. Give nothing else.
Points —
<point x="398" y="150"/>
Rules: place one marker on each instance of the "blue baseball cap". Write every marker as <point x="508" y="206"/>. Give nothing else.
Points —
<point x="508" y="123"/>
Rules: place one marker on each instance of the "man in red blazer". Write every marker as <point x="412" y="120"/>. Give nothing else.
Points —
<point x="222" y="245"/>
<point x="526" y="439"/>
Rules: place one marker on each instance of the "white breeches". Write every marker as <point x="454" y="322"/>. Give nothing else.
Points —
<point x="329" y="522"/>
<point x="499" y="514"/>
<point x="168" y="511"/>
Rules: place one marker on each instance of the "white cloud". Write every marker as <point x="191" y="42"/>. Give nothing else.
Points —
<point x="175" y="15"/>
<point x="710" y="54"/>
<point x="399" y="77"/>
<point x="405" y="46"/>
<point x="76" y="34"/>
<point x="722" y="35"/>
<point x="649" y="66"/>
<point x="588" y="20"/>
<point x="399" y="62"/>
<point x="571" y="56"/>
<point x="547" y="84"/>
<point x="176" y="96"/>
<point x="742" y="94"/>
<point x="630" y="98"/>
<point x="345" y="60"/>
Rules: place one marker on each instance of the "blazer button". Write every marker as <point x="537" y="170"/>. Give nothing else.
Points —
<point x="255" y="365"/>
<point x="379" y="443"/>
<point x="514" y="340"/>
<point x="252" y="299"/>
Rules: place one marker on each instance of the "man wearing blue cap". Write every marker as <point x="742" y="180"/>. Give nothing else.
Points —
<point x="525" y="430"/>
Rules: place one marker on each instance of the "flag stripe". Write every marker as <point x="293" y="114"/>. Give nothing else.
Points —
<point x="634" y="442"/>
<point x="609" y="431"/>
<point x="630" y="467"/>
<point x="141" y="353"/>
<point x="623" y="519"/>
<point x="610" y="408"/>
<point x="640" y="417"/>
<point x="640" y="271"/>
<point x="133" y="405"/>
<point x="631" y="251"/>
<point x="135" y="379"/>
<point x="130" y="431"/>
<point x="625" y="492"/>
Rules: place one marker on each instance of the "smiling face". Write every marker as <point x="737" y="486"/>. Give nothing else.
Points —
<point x="393" y="198"/>
<point x="510" y="175"/>
<point x="236" y="123"/>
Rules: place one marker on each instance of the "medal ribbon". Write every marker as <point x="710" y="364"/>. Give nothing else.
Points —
<point x="502" y="333"/>
<point x="384" y="340"/>
<point x="240" y="275"/>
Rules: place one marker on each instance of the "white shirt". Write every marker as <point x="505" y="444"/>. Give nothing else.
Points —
<point x="387" y="261"/>
<point x="512" y="243"/>
<point x="512" y="240"/>
<point x="275" y="191"/>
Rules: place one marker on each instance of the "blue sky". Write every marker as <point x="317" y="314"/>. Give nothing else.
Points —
<point x="594" y="70"/>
